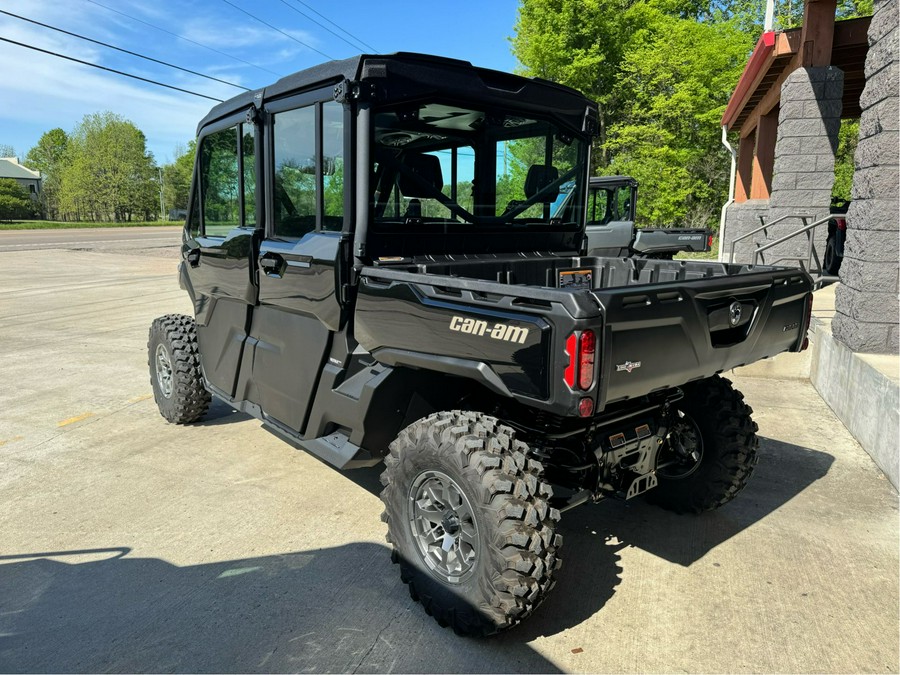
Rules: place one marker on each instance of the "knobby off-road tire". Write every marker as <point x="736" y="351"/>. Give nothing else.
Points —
<point x="715" y="422"/>
<point x="506" y="549"/>
<point x="174" y="360"/>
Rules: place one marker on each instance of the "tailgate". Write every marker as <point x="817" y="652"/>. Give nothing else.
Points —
<point x="666" y="334"/>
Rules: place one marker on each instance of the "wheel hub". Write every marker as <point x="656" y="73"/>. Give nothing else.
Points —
<point x="164" y="374"/>
<point x="443" y="526"/>
<point x="685" y="449"/>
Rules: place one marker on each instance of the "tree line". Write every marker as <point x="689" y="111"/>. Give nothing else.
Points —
<point x="102" y="171"/>
<point x="662" y="72"/>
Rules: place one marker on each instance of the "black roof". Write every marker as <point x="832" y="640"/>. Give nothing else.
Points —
<point x="409" y="70"/>
<point x="607" y="181"/>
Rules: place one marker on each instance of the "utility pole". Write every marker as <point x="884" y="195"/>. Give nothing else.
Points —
<point x="162" y="206"/>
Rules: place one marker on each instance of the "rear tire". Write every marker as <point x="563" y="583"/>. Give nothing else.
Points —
<point x="712" y="421"/>
<point x="174" y="359"/>
<point x="831" y="262"/>
<point x="470" y="523"/>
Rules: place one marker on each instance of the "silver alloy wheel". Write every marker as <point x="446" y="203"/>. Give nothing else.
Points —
<point x="443" y="526"/>
<point x="685" y="449"/>
<point x="164" y="375"/>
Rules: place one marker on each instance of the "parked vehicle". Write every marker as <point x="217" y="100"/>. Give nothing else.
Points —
<point x="610" y="230"/>
<point x="837" y="233"/>
<point x="371" y="283"/>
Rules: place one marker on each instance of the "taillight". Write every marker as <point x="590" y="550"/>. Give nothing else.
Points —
<point x="581" y="350"/>
<point x="709" y="242"/>
<point x="809" y="304"/>
<point x="587" y="347"/>
<point x="841" y="223"/>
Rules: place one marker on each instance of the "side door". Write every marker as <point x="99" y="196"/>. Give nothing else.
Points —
<point x="219" y="243"/>
<point x="299" y="258"/>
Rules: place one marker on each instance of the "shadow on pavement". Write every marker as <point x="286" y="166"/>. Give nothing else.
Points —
<point x="337" y="609"/>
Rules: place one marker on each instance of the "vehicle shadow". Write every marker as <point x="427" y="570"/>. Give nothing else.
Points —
<point x="336" y="609"/>
<point x="339" y="609"/>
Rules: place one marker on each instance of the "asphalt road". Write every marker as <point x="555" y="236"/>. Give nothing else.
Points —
<point x="131" y="545"/>
<point x="94" y="238"/>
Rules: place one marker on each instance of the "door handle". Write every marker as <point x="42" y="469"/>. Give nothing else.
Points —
<point x="193" y="257"/>
<point x="272" y="264"/>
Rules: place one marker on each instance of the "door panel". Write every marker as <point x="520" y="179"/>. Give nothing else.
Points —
<point x="292" y="326"/>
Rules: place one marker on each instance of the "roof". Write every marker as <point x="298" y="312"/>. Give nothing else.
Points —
<point x="408" y="71"/>
<point x="10" y="168"/>
<point x="777" y="53"/>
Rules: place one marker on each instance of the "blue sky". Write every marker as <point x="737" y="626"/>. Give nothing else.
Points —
<point x="40" y="92"/>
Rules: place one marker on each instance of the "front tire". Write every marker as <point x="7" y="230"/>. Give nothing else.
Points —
<point x="710" y="451"/>
<point x="174" y="360"/>
<point x="470" y="523"/>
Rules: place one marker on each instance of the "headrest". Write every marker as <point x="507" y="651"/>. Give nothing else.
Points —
<point x="540" y="176"/>
<point x="427" y="168"/>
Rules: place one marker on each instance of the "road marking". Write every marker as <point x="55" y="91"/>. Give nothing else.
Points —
<point x="77" y="418"/>
<point x="11" y="440"/>
<point x="140" y="398"/>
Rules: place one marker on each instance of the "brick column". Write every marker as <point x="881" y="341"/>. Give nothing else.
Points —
<point x="866" y="301"/>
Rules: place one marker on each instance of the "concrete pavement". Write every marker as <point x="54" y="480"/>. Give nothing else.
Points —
<point x="128" y="544"/>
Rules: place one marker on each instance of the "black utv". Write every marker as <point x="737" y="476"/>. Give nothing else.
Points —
<point x="378" y="276"/>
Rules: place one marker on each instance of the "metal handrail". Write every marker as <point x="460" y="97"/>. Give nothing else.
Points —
<point x="764" y="227"/>
<point x="811" y="253"/>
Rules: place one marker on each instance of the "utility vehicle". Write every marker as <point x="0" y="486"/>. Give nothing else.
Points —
<point x="610" y="230"/>
<point x="377" y="276"/>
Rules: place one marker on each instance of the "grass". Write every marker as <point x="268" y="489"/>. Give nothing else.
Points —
<point x="60" y="225"/>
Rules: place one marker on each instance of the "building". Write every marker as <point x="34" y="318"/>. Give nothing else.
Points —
<point x="28" y="179"/>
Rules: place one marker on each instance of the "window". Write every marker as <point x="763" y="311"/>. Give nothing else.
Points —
<point x="333" y="165"/>
<point x="295" y="172"/>
<point x="598" y="213"/>
<point x="220" y="185"/>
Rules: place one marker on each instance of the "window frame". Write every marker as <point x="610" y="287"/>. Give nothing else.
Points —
<point x="315" y="98"/>
<point x="236" y="122"/>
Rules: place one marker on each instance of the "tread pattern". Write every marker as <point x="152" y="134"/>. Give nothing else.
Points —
<point x="190" y="400"/>
<point x="730" y="449"/>
<point x="522" y="551"/>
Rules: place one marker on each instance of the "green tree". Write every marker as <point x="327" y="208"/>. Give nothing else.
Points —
<point x="177" y="177"/>
<point x="108" y="174"/>
<point x="7" y="150"/>
<point x="661" y="72"/>
<point x="48" y="158"/>
<point x="15" y="202"/>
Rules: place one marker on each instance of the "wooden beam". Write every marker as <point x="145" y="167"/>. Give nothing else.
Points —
<point x="744" y="169"/>
<point x="818" y="32"/>
<point x="764" y="159"/>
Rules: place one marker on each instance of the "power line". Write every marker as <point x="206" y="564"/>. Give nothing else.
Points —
<point x="322" y="25"/>
<point x="287" y="35"/>
<point x="141" y="56"/>
<point x="181" y="37"/>
<point x="110" y="70"/>
<point x="313" y="9"/>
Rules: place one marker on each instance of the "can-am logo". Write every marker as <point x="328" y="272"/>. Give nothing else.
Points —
<point x="498" y="331"/>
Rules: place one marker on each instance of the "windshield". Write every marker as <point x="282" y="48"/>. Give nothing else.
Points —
<point x="436" y="164"/>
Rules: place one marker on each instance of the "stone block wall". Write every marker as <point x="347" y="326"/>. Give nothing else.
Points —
<point x="866" y="301"/>
<point x="809" y="120"/>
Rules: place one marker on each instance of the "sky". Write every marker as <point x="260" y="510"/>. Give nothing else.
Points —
<point x="39" y="92"/>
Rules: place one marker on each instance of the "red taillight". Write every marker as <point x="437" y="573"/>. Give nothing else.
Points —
<point x="841" y="223"/>
<point x="709" y="242"/>
<point x="809" y="303"/>
<point x="587" y="347"/>
<point x="581" y="350"/>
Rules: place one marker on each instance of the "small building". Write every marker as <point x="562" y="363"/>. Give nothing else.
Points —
<point x="28" y="179"/>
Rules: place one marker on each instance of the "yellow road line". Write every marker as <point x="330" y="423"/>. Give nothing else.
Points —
<point x="72" y="420"/>
<point x="11" y="440"/>
<point x="140" y="398"/>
